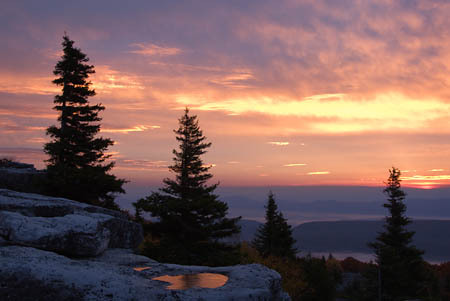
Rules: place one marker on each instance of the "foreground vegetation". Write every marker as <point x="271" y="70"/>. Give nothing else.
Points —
<point x="321" y="279"/>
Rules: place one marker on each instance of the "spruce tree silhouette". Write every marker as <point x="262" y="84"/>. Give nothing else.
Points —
<point x="76" y="168"/>
<point x="274" y="237"/>
<point x="187" y="209"/>
<point x="401" y="265"/>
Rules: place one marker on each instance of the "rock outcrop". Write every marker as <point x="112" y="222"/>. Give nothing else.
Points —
<point x="57" y="249"/>
<point x="112" y="276"/>
<point x="21" y="177"/>
<point x="63" y="226"/>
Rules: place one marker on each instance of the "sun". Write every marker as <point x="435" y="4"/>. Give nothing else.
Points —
<point x="423" y="185"/>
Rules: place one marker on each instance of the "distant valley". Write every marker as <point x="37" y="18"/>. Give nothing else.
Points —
<point x="353" y="236"/>
<point x="332" y="218"/>
<point x="302" y="204"/>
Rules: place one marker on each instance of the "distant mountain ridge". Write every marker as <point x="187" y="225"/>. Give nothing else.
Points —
<point x="353" y="236"/>
<point x="301" y="204"/>
<point x="342" y="236"/>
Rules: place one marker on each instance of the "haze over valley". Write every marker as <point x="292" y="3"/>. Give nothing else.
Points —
<point x="317" y="203"/>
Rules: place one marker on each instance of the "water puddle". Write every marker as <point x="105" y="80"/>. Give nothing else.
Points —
<point x="200" y="280"/>
<point x="140" y="269"/>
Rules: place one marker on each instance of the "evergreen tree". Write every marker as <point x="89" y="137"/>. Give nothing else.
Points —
<point x="275" y="236"/>
<point x="188" y="210"/>
<point x="76" y="168"/>
<point x="400" y="263"/>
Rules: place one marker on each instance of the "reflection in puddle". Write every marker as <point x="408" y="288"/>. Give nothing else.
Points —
<point x="202" y="280"/>
<point x="139" y="269"/>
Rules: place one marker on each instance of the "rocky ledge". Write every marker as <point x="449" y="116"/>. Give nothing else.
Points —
<point x="63" y="226"/>
<point x="58" y="249"/>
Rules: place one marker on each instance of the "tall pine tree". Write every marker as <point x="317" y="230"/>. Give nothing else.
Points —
<point x="275" y="236"/>
<point x="400" y="263"/>
<point x="188" y="210"/>
<point x="76" y="168"/>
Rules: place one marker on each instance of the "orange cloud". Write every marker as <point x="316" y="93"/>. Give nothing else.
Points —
<point x="11" y="127"/>
<point x="118" y="84"/>
<point x="294" y="164"/>
<point x="153" y="49"/>
<point x="363" y="85"/>
<point x="318" y="173"/>
<point x="347" y="113"/>
<point x="427" y="178"/>
<point x="38" y="140"/>
<point x="137" y="128"/>
<point x="27" y="84"/>
<point x="278" y="143"/>
<point x="235" y="80"/>
<point x="27" y="112"/>
<point x="141" y="165"/>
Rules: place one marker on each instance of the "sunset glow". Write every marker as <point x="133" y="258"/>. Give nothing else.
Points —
<point x="288" y="93"/>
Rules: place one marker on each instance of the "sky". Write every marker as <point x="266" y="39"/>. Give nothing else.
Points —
<point x="289" y="92"/>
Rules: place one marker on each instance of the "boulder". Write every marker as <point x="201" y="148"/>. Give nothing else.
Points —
<point x="63" y="226"/>
<point x="74" y="235"/>
<point x="31" y="274"/>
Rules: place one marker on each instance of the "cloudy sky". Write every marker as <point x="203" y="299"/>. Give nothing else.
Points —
<point x="289" y="92"/>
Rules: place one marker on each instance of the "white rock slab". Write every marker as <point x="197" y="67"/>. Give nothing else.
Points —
<point x="26" y="273"/>
<point x="63" y="226"/>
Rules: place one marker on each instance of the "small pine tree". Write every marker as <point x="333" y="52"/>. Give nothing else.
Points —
<point x="188" y="210"/>
<point x="76" y="168"/>
<point x="400" y="263"/>
<point x="275" y="236"/>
